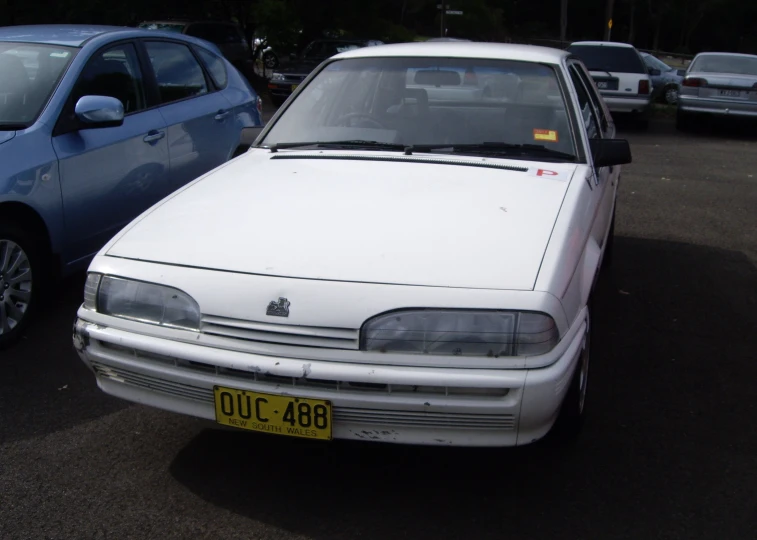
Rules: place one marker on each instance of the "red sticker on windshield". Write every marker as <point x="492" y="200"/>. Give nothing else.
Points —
<point x="549" y="135"/>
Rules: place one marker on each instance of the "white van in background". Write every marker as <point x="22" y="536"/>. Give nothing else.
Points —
<point x="620" y="74"/>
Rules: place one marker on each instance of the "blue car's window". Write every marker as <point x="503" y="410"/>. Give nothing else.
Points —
<point x="215" y="67"/>
<point x="176" y="69"/>
<point x="28" y="75"/>
<point x="114" y="73"/>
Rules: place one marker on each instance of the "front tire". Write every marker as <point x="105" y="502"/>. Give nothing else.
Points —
<point x="21" y="277"/>
<point x="570" y="420"/>
<point x="671" y="95"/>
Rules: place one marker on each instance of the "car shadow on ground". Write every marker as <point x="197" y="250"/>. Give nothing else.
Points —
<point x="671" y="434"/>
<point x="44" y="386"/>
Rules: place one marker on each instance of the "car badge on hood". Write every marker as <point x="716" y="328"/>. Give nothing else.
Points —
<point x="278" y="309"/>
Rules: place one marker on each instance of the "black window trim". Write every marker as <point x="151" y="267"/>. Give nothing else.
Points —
<point x="595" y="113"/>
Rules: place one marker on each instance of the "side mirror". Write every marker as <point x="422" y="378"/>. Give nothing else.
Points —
<point x="655" y="72"/>
<point x="610" y="152"/>
<point x="99" y="111"/>
<point x="681" y="72"/>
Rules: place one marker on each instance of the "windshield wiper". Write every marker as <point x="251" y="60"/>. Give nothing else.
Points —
<point x="496" y="148"/>
<point x="10" y="126"/>
<point x="353" y="143"/>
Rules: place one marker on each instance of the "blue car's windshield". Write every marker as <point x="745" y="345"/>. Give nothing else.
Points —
<point x="29" y="73"/>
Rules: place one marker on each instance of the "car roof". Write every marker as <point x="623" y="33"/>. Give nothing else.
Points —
<point x="603" y="44"/>
<point x="69" y="35"/>
<point x="714" y="53"/>
<point x="462" y="49"/>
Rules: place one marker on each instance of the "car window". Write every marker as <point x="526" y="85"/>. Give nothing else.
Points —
<point x="721" y="63"/>
<point x="594" y="96"/>
<point x="28" y="75"/>
<point x="214" y="65"/>
<point x="115" y="73"/>
<point x="419" y="101"/>
<point x="178" y="74"/>
<point x="607" y="58"/>
<point x="584" y="102"/>
<point x="655" y="63"/>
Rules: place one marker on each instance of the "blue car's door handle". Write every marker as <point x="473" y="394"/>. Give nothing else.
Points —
<point x="221" y="115"/>
<point x="154" y="135"/>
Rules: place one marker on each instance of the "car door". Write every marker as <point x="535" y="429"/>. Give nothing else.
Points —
<point x="201" y="133"/>
<point x="599" y="124"/>
<point x="109" y="175"/>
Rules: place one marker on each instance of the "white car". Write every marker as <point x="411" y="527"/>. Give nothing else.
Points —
<point x="380" y="265"/>
<point x="620" y="73"/>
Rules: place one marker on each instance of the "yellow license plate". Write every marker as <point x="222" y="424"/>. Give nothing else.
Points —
<point x="294" y="87"/>
<point x="268" y="413"/>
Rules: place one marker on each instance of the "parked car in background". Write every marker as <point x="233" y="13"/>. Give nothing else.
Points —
<point x="666" y="80"/>
<point x="284" y="81"/>
<point x="227" y="36"/>
<point x="718" y="84"/>
<point x="96" y="125"/>
<point x="620" y="74"/>
<point x="384" y="264"/>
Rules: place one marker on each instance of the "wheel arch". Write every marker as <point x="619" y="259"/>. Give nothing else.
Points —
<point x="23" y="215"/>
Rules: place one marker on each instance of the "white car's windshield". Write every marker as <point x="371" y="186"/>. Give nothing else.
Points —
<point x="714" y="63"/>
<point x="430" y="101"/>
<point x="28" y="75"/>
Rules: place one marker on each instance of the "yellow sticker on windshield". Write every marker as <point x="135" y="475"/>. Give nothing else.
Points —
<point x="549" y="135"/>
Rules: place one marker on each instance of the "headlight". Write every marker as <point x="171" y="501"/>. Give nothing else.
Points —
<point x="140" y="301"/>
<point x="460" y="333"/>
<point x="277" y="77"/>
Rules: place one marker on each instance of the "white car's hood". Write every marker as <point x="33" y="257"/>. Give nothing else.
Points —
<point x="306" y="215"/>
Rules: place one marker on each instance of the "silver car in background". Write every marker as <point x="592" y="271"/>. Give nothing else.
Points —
<point x="718" y="84"/>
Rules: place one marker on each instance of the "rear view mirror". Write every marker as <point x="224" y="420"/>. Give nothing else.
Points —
<point x="610" y="152"/>
<point x="99" y="111"/>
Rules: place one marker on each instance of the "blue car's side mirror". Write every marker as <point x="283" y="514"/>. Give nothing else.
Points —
<point x="99" y="111"/>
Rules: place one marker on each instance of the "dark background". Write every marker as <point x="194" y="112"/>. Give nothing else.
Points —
<point x="679" y="26"/>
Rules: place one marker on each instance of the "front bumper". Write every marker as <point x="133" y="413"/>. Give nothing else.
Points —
<point x="469" y="407"/>
<point x="718" y="107"/>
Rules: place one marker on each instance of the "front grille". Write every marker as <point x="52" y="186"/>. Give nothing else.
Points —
<point x="284" y="334"/>
<point x="276" y="381"/>
<point x="424" y="419"/>
<point x="341" y="414"/>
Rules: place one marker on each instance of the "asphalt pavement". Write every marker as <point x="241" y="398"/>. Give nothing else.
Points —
<point x="669" y="449"/>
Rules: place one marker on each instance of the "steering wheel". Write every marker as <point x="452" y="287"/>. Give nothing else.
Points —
<point x="346" y="119"/>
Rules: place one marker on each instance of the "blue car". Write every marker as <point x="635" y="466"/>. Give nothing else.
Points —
<point x="97" y="124"/>
<point x="666" y="80"/>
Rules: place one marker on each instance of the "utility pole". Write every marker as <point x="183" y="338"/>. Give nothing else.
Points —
<point x="563" y="21"/>
<point x="608" y="19"/>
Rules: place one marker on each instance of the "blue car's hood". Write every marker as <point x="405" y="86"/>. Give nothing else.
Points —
<point x="6" y="136"/>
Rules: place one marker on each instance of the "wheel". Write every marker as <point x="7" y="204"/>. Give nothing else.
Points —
<point x="270" y="60"/>
<point x="570" y="420"/>
<point x="671" y="95"/>
<point x="20" y="281"/>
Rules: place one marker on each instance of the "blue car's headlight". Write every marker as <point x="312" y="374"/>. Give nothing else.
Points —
<point x="141" y="301"/>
